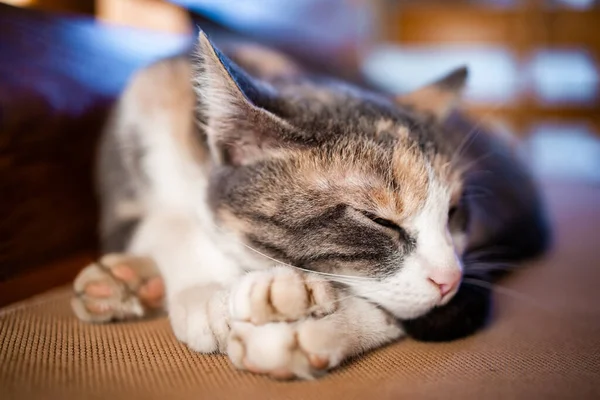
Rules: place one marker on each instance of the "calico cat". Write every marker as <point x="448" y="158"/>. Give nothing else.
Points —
<point x="292" y="221"/>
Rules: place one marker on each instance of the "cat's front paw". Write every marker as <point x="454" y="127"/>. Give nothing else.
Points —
<point x="282" y="324"/>
<point x="281" y="294"/>
<point x="118" y="287"/>
<point x="286" y="350"/>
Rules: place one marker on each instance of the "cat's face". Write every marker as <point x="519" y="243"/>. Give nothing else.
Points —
<point x="358" y="208"/>
<point x="336" y="183"/>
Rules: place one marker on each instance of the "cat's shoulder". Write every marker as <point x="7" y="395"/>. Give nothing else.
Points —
<point x="165" y="83"/>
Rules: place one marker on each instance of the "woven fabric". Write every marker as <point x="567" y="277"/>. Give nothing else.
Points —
<point x="544" y="342"/>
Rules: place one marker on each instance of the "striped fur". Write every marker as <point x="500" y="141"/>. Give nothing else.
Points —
<point x="215" y="173"/>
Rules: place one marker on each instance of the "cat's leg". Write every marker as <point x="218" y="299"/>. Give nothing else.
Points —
<point x="181" y="272"/>
<point x="196" y="276"/>
<point x="288" y="324"/>
<point x="118" y="287"/>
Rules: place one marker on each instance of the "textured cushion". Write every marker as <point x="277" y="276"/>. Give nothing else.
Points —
<point x="544" y="342"/>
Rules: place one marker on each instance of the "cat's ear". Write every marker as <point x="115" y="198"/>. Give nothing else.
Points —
<point x="439" y="98"/>
<point x="231" y="110"/>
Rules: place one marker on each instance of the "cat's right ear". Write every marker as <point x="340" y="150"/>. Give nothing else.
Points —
<point x="439" y="98"/>
<point x="232" y="108"/>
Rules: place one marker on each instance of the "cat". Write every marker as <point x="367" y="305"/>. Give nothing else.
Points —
<point x="292" y="221"/>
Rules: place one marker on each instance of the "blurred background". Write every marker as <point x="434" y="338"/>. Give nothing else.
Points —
<point x="534" y="63"/>
<point x="540" y="54"/>
<point x="534" y="69"/>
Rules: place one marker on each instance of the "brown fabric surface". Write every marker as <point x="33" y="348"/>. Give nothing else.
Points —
<point x="544" y="342"/>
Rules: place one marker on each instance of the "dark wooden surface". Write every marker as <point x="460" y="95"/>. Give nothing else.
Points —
<point x="58" y="78"/>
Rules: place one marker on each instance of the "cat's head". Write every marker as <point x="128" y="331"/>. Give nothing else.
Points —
<point x="332" y="179"/>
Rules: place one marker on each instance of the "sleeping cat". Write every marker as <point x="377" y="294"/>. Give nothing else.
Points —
<point x="293" y="221"/>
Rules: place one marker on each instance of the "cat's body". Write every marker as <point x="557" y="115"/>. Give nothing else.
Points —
<point x="218" y="177"/>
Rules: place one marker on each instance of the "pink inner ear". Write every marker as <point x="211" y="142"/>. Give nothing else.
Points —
<point x="238" y="128"/>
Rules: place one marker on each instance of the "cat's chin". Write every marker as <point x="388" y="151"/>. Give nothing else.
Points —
<point x="406" y="313"/>
<point x="467" y="312"/>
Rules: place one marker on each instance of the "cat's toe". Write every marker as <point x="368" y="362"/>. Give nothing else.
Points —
<point x="281" y="294"/>
<point x="322" y="294"/>
<point x="100" y="297"/>
<point x="152" y="292"/>
<point x="192" y="322"/>
<point x="285" y="350"/>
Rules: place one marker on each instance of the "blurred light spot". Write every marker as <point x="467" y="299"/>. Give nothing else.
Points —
<point x="564" y="76"/>
<point x="133" y="48"/>
<point x="18" y="3"/>
<point x="578" y="4"/>
<point x="325" y="21"/>
<point x="564" y="151"/>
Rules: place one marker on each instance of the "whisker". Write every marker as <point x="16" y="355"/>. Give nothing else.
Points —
<point x="464" y="144"/>
<point x="472" y="188"/>
<point x="492" y="266"/>
<point x="478" y="196"/>
<point x="331" y="275"/>
<point x="473" y="162"/>
<point x="507" y="292"/>
<point x="480" y="172"/>
<point x="487" y="251"/>
<point x="350" y="296"/>
<point x="476" y="192"/>
<point x="483" y="261"/>
<point x="474" y="132"/>
<point x="303" y="269"/>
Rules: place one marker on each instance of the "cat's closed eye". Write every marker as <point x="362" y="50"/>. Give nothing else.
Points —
<point x="387" y="224"/>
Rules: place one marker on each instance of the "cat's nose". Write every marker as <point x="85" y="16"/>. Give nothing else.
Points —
<point x="445" y="279"/>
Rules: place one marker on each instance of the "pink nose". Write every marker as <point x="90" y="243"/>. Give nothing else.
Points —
<point x="445" y="280"/>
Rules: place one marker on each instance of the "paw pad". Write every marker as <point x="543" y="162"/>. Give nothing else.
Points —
<point x="116" y="288"/>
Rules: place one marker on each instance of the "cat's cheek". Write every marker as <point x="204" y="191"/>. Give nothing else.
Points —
<point x="406" y="294"/>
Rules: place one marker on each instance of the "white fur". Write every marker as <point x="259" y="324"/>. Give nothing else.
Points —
<point x="182" y="244"/>
<point x="409" y="293"/>
<point x="192" y="266"/>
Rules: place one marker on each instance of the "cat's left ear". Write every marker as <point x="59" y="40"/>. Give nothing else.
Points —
<point x="439" y="98"/>
<point x="234" y="109"/>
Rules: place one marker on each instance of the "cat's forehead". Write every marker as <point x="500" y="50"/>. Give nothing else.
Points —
<point x="362" y="149"/>
<point x="335" y="108"/>
<point x="393" y="181"/>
